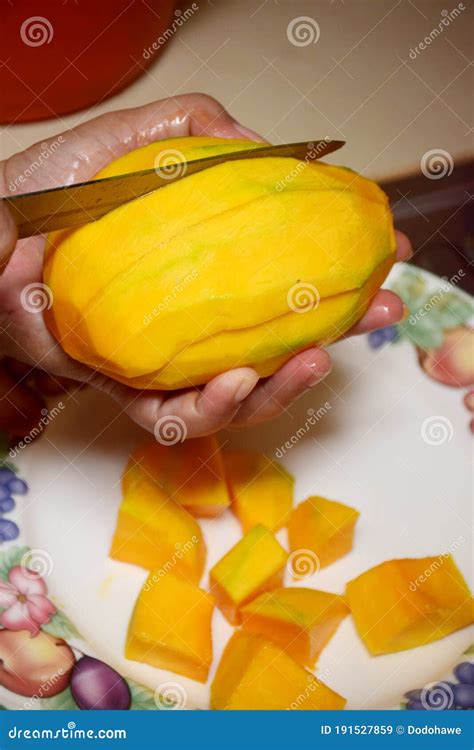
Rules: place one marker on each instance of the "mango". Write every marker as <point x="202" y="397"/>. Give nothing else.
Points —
<point x="155" y="532"/>
<point x="254" y="674"/>
<point x="214" y="270"/>
<point x="171" y="627"/>
<point x="191" y="472"/>
<point x="299" y="620"/>
<point x="406" y="603"/>
<point x="255" y="564"/>
<point x="324" y="527"/>
<point x="261" y="489"/>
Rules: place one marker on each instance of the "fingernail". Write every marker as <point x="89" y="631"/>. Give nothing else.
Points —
<point x="246" y="386"/>
<point x="469" y="400"/>
<point x="316" y="374"/>
<point x="247" y="133"/>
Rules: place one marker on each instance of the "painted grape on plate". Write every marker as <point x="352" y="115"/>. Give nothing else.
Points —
<point x="96" y="686"/>
<point x="446" y="695"/>
<point x="10" y="485"/>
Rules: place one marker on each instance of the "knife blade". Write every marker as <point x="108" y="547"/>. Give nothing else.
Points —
<point x="67" y="206"/>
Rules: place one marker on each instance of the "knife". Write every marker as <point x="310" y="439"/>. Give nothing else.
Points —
<point x="56" y="208"/>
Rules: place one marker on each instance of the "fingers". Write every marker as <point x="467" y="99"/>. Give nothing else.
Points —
<point x="404" y="248"/>
<point x="8" y="236"/>
<point x="386" y="309"/>
<point x="80" y="153"/>
<point x="274" y="395"/>
<point x="202" y="412"/>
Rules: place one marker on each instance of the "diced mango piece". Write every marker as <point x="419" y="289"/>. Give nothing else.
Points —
<point x="255" y="564"/>
<point x="300" y="620"/>
<point x="155" y="532"/>
<point x="261" y="489"/>
<point x="402" y="604"/>
<point x="191" y="472"/>
<point x="324" y="527"/>
<point x="171" y="627"/>
<point x="254" y="674"/>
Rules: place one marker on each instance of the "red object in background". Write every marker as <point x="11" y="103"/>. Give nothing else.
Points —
<point x="64" y="55"/>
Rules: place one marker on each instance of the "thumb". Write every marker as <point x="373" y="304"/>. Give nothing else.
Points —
<point x="8" y="235"/>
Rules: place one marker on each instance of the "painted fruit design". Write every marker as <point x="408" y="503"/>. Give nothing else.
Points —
<point x="37" y="665"/>
<point x="95" y="685"/>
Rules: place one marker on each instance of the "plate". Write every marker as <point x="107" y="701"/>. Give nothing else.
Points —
<point x="378" y="434"/>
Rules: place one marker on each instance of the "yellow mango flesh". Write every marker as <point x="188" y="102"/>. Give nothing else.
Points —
<point x="200" y="276"/>
<point x="323" y="526"/>
<point x="254" y="674"/>
<point x="171" y="627"/>
<point x="253" y="565"/>
<point x="299" y="620"/>
<point x="155" y="532"/>
<point x="191" y="473"/>
<point x="261" y="490"/>
<point x="406" y="603"/>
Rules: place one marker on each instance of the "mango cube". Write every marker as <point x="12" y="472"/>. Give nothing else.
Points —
<point x="192" y="473"/>
<point x="254" y="674"/>
<point x="261" y="490"/>
<point x="255" y="564"/>
<point x="403" y="604"/>
<point x="299" y="620"/>
<point x="171" y="627"/>
<point x="155" y="532"/>
<point x="324" y="527"/>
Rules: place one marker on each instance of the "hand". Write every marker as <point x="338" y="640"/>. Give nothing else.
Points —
<point x="235" y="398"/>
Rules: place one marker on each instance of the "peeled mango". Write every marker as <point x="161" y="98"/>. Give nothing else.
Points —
<point x="244" y="263"/>
<point x="299" y="620"/>
<point x="253" y="565"/>
<point x="171" y="626"/>
<point x="154" y="531"/>
<point x="407" y="603"/>
<point x="256" y="675"/>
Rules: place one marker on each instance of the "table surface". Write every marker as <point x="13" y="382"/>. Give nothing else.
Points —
<point x="357" y="82"/>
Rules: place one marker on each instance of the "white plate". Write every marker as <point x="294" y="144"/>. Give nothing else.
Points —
<point x="367" y="450"/>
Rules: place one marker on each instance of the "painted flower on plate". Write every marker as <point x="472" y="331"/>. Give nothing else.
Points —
<point x="24" y="601"/>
